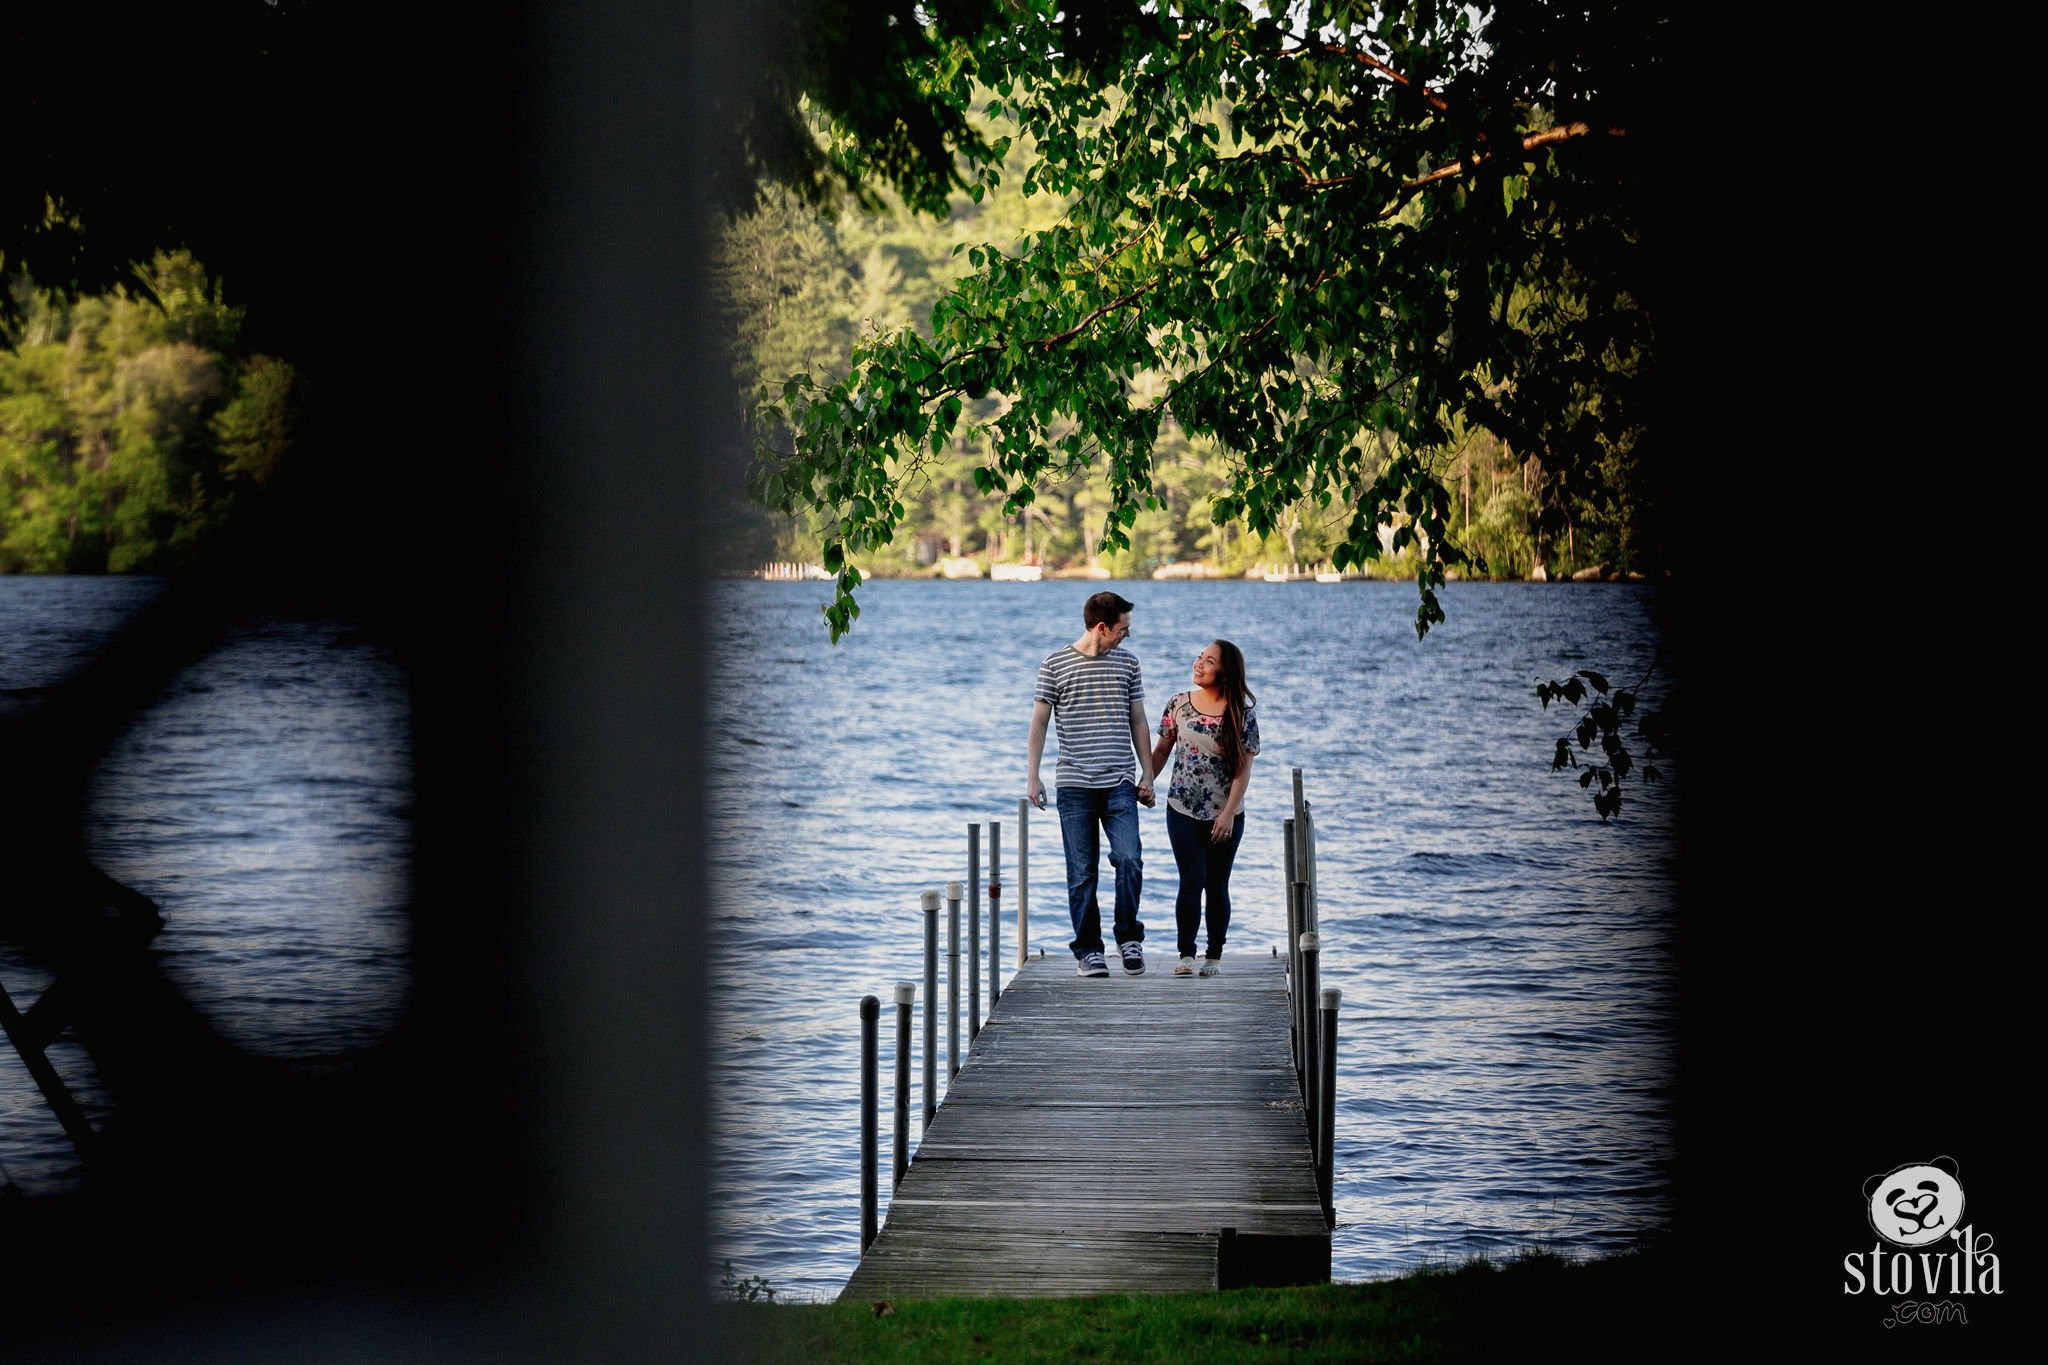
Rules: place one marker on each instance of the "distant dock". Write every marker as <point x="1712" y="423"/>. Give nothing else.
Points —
<point x="1101" y="1137"/>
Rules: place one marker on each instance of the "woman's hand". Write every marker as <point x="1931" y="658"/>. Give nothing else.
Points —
<point x="1223" y="825"/>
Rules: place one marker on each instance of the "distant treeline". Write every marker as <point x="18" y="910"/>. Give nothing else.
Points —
<point x="796" y="288"/>
<point x="130" y="427"/>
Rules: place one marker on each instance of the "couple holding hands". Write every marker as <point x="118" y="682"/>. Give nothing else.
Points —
<point x="1093" y="693"/>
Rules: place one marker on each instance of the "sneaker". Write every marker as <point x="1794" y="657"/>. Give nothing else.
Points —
<point x="1134" y="958"/>
<point x="1211" y="967"/>
<point x="1186" y="967"/>
<point x="1091" y="964"/>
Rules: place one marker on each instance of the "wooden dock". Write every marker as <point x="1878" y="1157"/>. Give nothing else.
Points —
<point x="1122" y="1134"/>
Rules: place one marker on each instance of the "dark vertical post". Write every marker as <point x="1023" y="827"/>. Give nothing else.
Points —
<point x="931" y="993"/>
<point x="1308" y="864"/>
<point x="1326" y="1145"/>
<point x="1311" y="1101"/>
<point x="1023" y="882"/>
<point x="906" y="995"/>
<point x="952" y="981"/>
<point x="1292" y="875"/>
<point x="870" y="1012"/>
<point x="973" y="932"/>
<point x="995" y="908"/>
<point x="1298" y="1004"/>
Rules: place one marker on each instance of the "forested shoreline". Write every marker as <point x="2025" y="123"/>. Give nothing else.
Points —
<point x="796" y="286"/>
<point x="132" y="428"/>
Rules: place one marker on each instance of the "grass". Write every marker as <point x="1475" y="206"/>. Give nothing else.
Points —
<point x="1536" y="1306"/>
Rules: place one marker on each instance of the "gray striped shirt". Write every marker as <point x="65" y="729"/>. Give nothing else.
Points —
<point x="1091" y="710"/>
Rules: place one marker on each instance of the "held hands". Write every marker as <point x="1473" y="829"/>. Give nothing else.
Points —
<point x="1146" y="796"/>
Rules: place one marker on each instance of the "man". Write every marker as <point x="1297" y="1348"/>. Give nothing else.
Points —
<point x="1093" y="690"/>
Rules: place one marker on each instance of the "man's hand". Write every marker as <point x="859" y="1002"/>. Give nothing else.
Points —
<point x="1034" y="792"/>
<point x="1146" y="796"/>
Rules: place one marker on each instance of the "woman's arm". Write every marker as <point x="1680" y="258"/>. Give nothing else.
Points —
<point x="1226" y="814"/>
<point x="1159" y="753"/>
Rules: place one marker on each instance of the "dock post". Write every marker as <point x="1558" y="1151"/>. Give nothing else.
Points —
<point x="1023" y="882"/>
<point x="870" y="1011"/>
<point x="1299" y="1008"/>
<point x="1326" y="1141"/>
<point x="1308" y="862"/>
<point x="995" y="917"/>
<point x="1292" y="874"/>
<point x="931" y="995"/>
<point x="952" y="981"/>
<point x="1311" y="1099"/>
<point x="906" y="994"/>
<point x="973" y="932"/>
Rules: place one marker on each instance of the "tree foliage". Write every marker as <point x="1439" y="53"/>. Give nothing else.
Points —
<point x="131" y="427"/>
<point x="1603" y="721"/>
<point x="1326" y="238"/>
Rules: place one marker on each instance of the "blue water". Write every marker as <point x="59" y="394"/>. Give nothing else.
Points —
<point x="1506" y="959"/>
<point x="264" y="804"/>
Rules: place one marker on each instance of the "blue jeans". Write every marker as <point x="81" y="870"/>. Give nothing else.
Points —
<point x="1116" y="810"/>
<point x="1204" y="867"/>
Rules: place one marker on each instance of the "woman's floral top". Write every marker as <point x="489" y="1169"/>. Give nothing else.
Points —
<point x="1200" y="781"/>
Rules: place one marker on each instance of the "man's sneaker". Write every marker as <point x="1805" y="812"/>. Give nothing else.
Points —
<point x="1091" y="964"/>
<point x="1211" y="967"/>
<point x="1134" y="958"/>
<point x="1186" y="967"/>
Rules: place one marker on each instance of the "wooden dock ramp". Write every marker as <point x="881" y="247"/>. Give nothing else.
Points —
<point x="1102" y="1136"/>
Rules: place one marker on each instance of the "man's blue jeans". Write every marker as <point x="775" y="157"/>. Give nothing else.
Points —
<point x="1116" y="810"/>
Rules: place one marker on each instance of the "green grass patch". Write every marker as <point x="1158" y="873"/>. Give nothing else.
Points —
<point x="1535" y="1306"/>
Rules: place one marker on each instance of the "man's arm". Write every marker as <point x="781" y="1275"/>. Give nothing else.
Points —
<point x="1034" y="749"/>
<point x="1141" y="740"/>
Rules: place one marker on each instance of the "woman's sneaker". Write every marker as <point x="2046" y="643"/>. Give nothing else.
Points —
<point x="1211" y="967"/>
<point x="1091" y="964"/>
<point x="1134" y="958"/>
<point x="1186" y="967"/>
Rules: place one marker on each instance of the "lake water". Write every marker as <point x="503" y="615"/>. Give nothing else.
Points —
<point x="1507" y="960"/>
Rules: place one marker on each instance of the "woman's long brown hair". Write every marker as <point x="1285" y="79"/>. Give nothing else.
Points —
<point x="1237" y="702"/>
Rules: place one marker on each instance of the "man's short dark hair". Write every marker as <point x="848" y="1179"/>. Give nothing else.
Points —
<point x="1103" y="609"/>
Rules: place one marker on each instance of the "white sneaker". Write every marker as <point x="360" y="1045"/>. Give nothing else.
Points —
<point x="1186" y="967"/>
<point x="1211" y="967"/>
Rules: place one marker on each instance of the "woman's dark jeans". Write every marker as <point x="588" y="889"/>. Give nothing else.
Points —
<point x="1204" y="866"/>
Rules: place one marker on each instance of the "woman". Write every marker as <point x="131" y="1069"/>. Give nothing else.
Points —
<point x="1213" y="735"/>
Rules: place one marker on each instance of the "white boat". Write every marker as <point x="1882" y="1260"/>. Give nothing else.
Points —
<point x="791" y="572"/>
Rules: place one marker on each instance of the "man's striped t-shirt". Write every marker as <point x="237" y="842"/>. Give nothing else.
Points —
<point x="1091" y="710"/>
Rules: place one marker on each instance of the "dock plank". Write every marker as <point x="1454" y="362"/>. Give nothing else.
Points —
<point x="1100" y="1136"/>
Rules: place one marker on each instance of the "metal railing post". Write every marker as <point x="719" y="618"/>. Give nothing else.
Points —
<point x="1023" y="882"/>
<point x="1326" y="1145"/>
<point x="1311" y="1100"/>
<point x="930" y="900"/>
<point x="973" y="932"/>
<point x="870" y="1012"/>
<point x="995" y="916"/>
<point x="952" y="981"/>
<point x="906" y="995"/>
